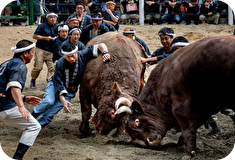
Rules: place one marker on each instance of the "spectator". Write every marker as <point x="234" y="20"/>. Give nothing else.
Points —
<point x="12" y="109"/>
<point x="63" y="84"/>
<point x="5" y="12"/>
<point x="179" y="42"/>
<point x="101" y="13"/>
<point x="152" y="10"/>
<point x="104" y="4"/>
<point x="83" y="17"/>
<point x="173" y="8"/>
<point x="37" y="10"/>
<point x="191" y="12"/>
<point x="130" y="12"/>
<point x="62" y="36"/>
<point x="111" y="16"/>
<point x="129" y="32"/>
<point x="166" y="36"/>
<point x="45" y="34"/>
<point x="209" y="12"/>
<point x="73" y="22"/>
<point x="90" y="6"/>
<point x="212" y="121"/>
<point x="16" y="11"/>
<point x="74" y="36"/>
<point x="94" y="29"/>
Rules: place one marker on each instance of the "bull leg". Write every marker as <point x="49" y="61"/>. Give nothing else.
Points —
<point x="189" y="128"/>
<point x="85" y="101"/>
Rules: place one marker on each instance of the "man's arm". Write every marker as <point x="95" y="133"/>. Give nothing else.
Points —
<point x="115" y="19"/>
<point x="43" y="38"/>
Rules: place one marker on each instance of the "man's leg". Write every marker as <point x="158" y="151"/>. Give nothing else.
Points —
<point x="38" y="66"/>
<point x="50" y="65"/>
<point x="47" y="101"/>
<point x="30" y="129"/>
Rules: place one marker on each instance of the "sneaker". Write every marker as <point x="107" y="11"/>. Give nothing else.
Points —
<point x="32" y="84"/>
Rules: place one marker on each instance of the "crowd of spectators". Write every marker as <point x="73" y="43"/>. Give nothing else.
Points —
<point x="127" y="11"/>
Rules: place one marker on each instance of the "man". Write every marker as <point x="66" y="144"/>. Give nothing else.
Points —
<point x="74" y="36"/>
<point x="152" y="10"/>
<point x="111" y="16"/>
<point x="166" y="36"/>
<point x="192" y="11"/>
<point x="179" y="42"/>
<point x="101" y="13"/>
<point x="94" y="29"/>
<point x="62" y="37"/>
<point x="209" y="12"/>
<point x="5" y="12"/>
<point x="80" y="15"/>
<point x="73" y="22"/>
<point x="12" y="109"/>
<point x="173" y="14"/>
<point x="130" y="12"/>
<point x="45" y="34"/>
<point x="129" y="32"/>
<point x="68" y="75"/>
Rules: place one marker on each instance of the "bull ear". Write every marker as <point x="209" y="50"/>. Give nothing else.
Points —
<point x="136" y="107"/>
<point x="116" y="91"/>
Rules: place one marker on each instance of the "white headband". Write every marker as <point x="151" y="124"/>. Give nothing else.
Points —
<point x="17" y="50"/>
<point x="73" y="51"/>
<point x="65" y="27"/>
<point x="181" y="44"/>
<point x="129" y="32"/>
<point x="51" y="14"/>
<point x="169" y="34"/>
<point x="74" y="30"/>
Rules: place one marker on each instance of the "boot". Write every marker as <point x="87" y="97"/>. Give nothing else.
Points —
<point x="20" y="151"/>
<point x="33" y="83"/>
<point x="215" y="128"/>
<point x="35" y="115"/>
<point x="206" y="125"/>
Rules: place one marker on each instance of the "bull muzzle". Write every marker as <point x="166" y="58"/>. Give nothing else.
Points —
<point x="122" y="105"/>
<point x="154" y="142"/>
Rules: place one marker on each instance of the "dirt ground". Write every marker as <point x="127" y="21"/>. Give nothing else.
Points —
<point x="61" y="139"/>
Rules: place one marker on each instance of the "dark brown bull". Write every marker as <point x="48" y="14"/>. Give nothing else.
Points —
<point x="104" y="83"/>
<point x="183" y="91"/>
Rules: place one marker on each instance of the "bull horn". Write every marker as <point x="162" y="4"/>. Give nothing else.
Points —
<point x="123" y="109"/>
<point x="122" y="100"/>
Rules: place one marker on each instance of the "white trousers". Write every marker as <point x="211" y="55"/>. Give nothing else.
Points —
<point x="30" y="128"/>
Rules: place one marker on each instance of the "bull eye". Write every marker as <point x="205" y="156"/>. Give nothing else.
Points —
<point x="113" y="111"/>
<point x="137" y="122"/>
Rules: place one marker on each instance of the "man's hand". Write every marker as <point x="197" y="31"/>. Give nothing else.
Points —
<point x="65" y="104"/>
<point x="33" y="100"/>
<point x="105" y="57"/>
<point x="24" y="112"/>
<point x="109" y="11"/>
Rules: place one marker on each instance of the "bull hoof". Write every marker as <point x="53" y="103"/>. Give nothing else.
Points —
<point x="84" y="128"/>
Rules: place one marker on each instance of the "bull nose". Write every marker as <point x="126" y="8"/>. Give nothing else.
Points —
<point x="152" y="142"/>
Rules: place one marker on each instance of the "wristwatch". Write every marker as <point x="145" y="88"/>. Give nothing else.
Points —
<point x="104" y="52"/>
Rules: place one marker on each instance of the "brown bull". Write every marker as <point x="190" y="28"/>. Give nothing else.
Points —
<point x="104" y="83"/>
<point x="183" y="91"/>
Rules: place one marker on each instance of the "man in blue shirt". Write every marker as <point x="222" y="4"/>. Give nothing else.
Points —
<point x="93" y="30"/>
<point x="80" y="15"/>
<point x="166" y="36"/>
<point x="62" y="37"/>
<point x="45" y="34"/>
<point x="129" y="32"/>
<point x="63" y="85"/>
<point x="111" y="16"/>
<point x="12" y="109"/>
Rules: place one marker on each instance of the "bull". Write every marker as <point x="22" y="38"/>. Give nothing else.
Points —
<point x="183" y="91"/>
<point x="104" y="83"/>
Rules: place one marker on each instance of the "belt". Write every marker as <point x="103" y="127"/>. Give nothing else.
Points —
<point x="3" y="95"/>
